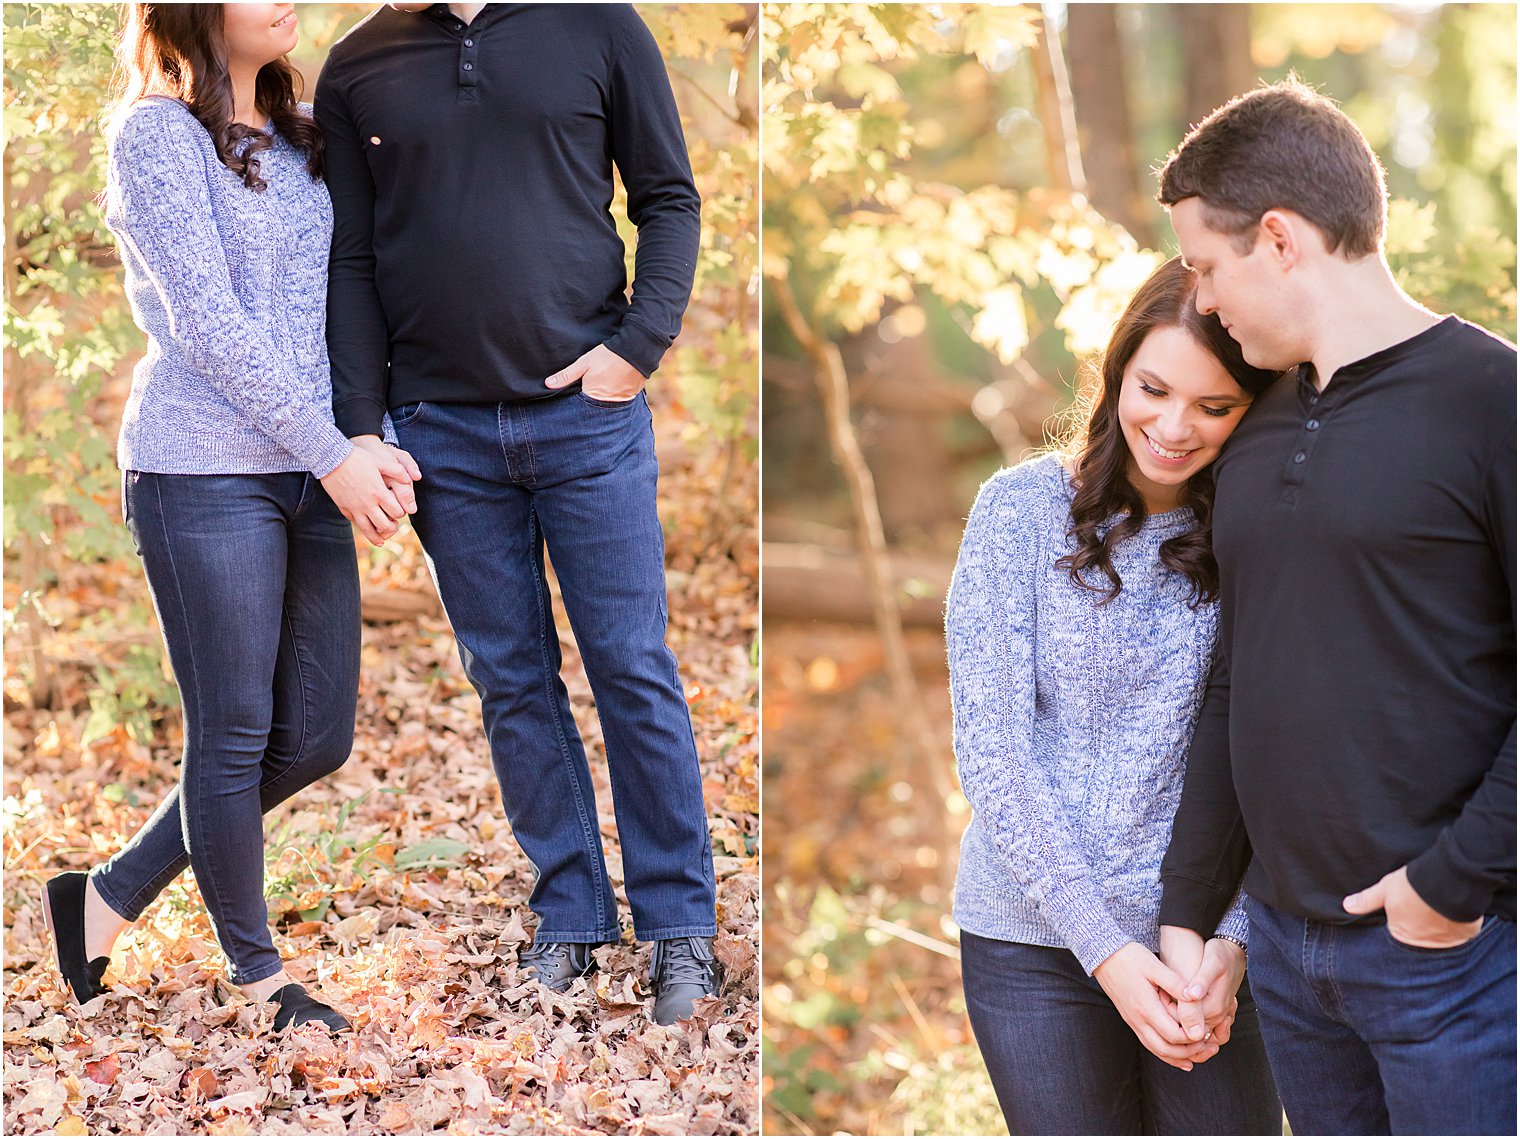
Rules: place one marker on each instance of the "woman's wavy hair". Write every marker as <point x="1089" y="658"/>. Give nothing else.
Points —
<point x="178" y="50"/>
<point x="1099" y="457"/>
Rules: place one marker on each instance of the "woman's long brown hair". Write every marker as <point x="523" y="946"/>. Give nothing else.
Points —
<point x="178" y="50"/>
<point x="1099" y="457"/>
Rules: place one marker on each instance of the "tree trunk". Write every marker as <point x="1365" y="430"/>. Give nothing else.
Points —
<point x="833" y="389"/>
<point x="901" y="434"/>
<point x="1104" y="128"/>
<point x="1063" y="158"/>
<point x="1216" y="47"/>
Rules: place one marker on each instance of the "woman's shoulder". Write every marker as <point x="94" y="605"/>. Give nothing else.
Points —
<point x="1034" y="488"/>
<point x="155" y="118"/>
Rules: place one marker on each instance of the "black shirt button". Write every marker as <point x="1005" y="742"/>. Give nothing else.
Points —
<point x="469" y="67"/>
<point x="1300" y="457"/>
<point x="1312" y="425"/>
<point x="1313" y="399"/>
<point x="469" y="43"/>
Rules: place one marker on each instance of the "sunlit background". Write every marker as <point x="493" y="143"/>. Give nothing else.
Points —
<point x="957" y="202"/>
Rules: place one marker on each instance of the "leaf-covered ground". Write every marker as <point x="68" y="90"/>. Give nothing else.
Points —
<point x="399" y="892"/>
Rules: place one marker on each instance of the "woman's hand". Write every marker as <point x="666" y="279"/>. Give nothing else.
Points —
<point x="1140" y="985"/>
<point x="358" y="487"/>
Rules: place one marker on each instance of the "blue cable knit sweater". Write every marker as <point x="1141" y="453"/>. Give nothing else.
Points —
<point x="1072" y="723"/>
<point x="230" y="284"/>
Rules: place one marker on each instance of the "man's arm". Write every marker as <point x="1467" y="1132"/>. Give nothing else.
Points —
<point x="649" y="149"/>
<point x="1438" y="898"/>
<point x="358" y="339"/>
<point x="1209" y="850"/>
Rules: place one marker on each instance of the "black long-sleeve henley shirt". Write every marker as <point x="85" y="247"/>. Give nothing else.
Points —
<point x="1361" y="715"/>
<point x="471" y="170"/>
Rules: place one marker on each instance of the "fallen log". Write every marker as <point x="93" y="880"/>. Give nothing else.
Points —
<point x="802" y="582"/>
<point x="377" y="603"/>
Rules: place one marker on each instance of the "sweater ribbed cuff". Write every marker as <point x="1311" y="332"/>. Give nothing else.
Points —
<point x="335" y="448"/>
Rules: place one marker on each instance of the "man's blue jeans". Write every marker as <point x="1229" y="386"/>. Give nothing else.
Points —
<point x="256" y="586"/>
<point x="500" y="483"/>
<point x="1368" y="1036"/>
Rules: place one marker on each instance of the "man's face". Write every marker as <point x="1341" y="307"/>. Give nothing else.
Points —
<point x="1249" y="291"/>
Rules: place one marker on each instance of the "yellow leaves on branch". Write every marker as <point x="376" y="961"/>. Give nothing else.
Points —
<point x="851" y="228"/>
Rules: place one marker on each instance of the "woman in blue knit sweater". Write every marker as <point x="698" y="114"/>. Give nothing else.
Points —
<point x="1080" y="625"/>
<point x="238" y="489"/>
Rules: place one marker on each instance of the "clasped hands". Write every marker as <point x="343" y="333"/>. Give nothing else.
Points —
<point x="1181" y="1004"/>
<point x="373" y="487"/>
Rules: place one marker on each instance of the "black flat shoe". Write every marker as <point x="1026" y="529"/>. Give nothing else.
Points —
<point x="63" y="913"/>
<point x="297" y="1006"/>
<point x="558" y="963"/>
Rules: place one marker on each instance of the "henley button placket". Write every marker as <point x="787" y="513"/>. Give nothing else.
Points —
<point x="468" y="57"/>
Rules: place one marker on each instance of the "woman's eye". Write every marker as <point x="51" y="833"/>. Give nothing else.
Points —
<point x="1148" y="390"/>
<point x="1217" y="412"/>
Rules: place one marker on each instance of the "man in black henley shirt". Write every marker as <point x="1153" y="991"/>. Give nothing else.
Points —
<point x="1354" y="762"/>
<point x="477" y="295"/>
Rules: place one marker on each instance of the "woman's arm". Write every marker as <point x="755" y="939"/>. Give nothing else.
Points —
<point x="160" y="206"/>
<point x="990" y="629"/>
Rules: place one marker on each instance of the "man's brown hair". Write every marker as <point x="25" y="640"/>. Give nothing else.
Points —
<point x="1281" y="147"/>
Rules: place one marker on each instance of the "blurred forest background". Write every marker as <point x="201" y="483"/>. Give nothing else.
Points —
<point x="395" y="884"/>
<point x="957" y="202"/>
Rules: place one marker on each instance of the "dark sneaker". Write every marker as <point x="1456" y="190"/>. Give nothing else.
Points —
<point x="297" y="1007"/>
<point x="681" y="970"/>
<point x="558" y="963"/>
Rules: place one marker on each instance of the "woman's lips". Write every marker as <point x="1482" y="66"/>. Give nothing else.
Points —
<point x="1166" y="455"/>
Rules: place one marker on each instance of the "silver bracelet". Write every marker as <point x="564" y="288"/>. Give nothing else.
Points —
<point x="1244" y="952"/>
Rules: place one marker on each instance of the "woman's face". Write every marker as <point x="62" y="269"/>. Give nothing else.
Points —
<point x="1177" y="406"/>
<point x="257" y="34"/>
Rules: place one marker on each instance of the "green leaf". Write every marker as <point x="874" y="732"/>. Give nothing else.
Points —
<point x="432" y="852"/>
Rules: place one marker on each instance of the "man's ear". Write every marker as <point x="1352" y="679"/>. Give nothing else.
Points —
<point x="1282" y="233"/>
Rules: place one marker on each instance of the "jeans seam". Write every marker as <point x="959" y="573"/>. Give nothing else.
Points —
<point x="1335" y="985"/>
<point x="527" y="438"/>
<point x="593" y="840"/>
<point x="295" y="752"/>
<point x="179" y="597"/>
<point x="504" y="439"/>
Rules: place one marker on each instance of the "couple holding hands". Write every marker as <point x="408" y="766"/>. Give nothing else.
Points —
<point x="1235" y="675"/>
<point x="412" y="303"/>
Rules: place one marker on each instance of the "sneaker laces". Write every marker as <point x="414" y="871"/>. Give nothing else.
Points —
<point x="682" y="960"/>
<point x="540" y="953"/>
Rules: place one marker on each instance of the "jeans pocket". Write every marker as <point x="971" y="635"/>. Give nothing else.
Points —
<point x="1489" y="921"/>
<point x="407" y="413"/>
<point x="609" y="404"/>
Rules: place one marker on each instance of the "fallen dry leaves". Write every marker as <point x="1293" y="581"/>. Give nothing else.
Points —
<point x="413" y="892"/>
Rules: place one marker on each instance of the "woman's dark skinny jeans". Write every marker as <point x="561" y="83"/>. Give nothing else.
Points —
<point x="256" y="585"/>
<point x="1063" y="1061"/>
